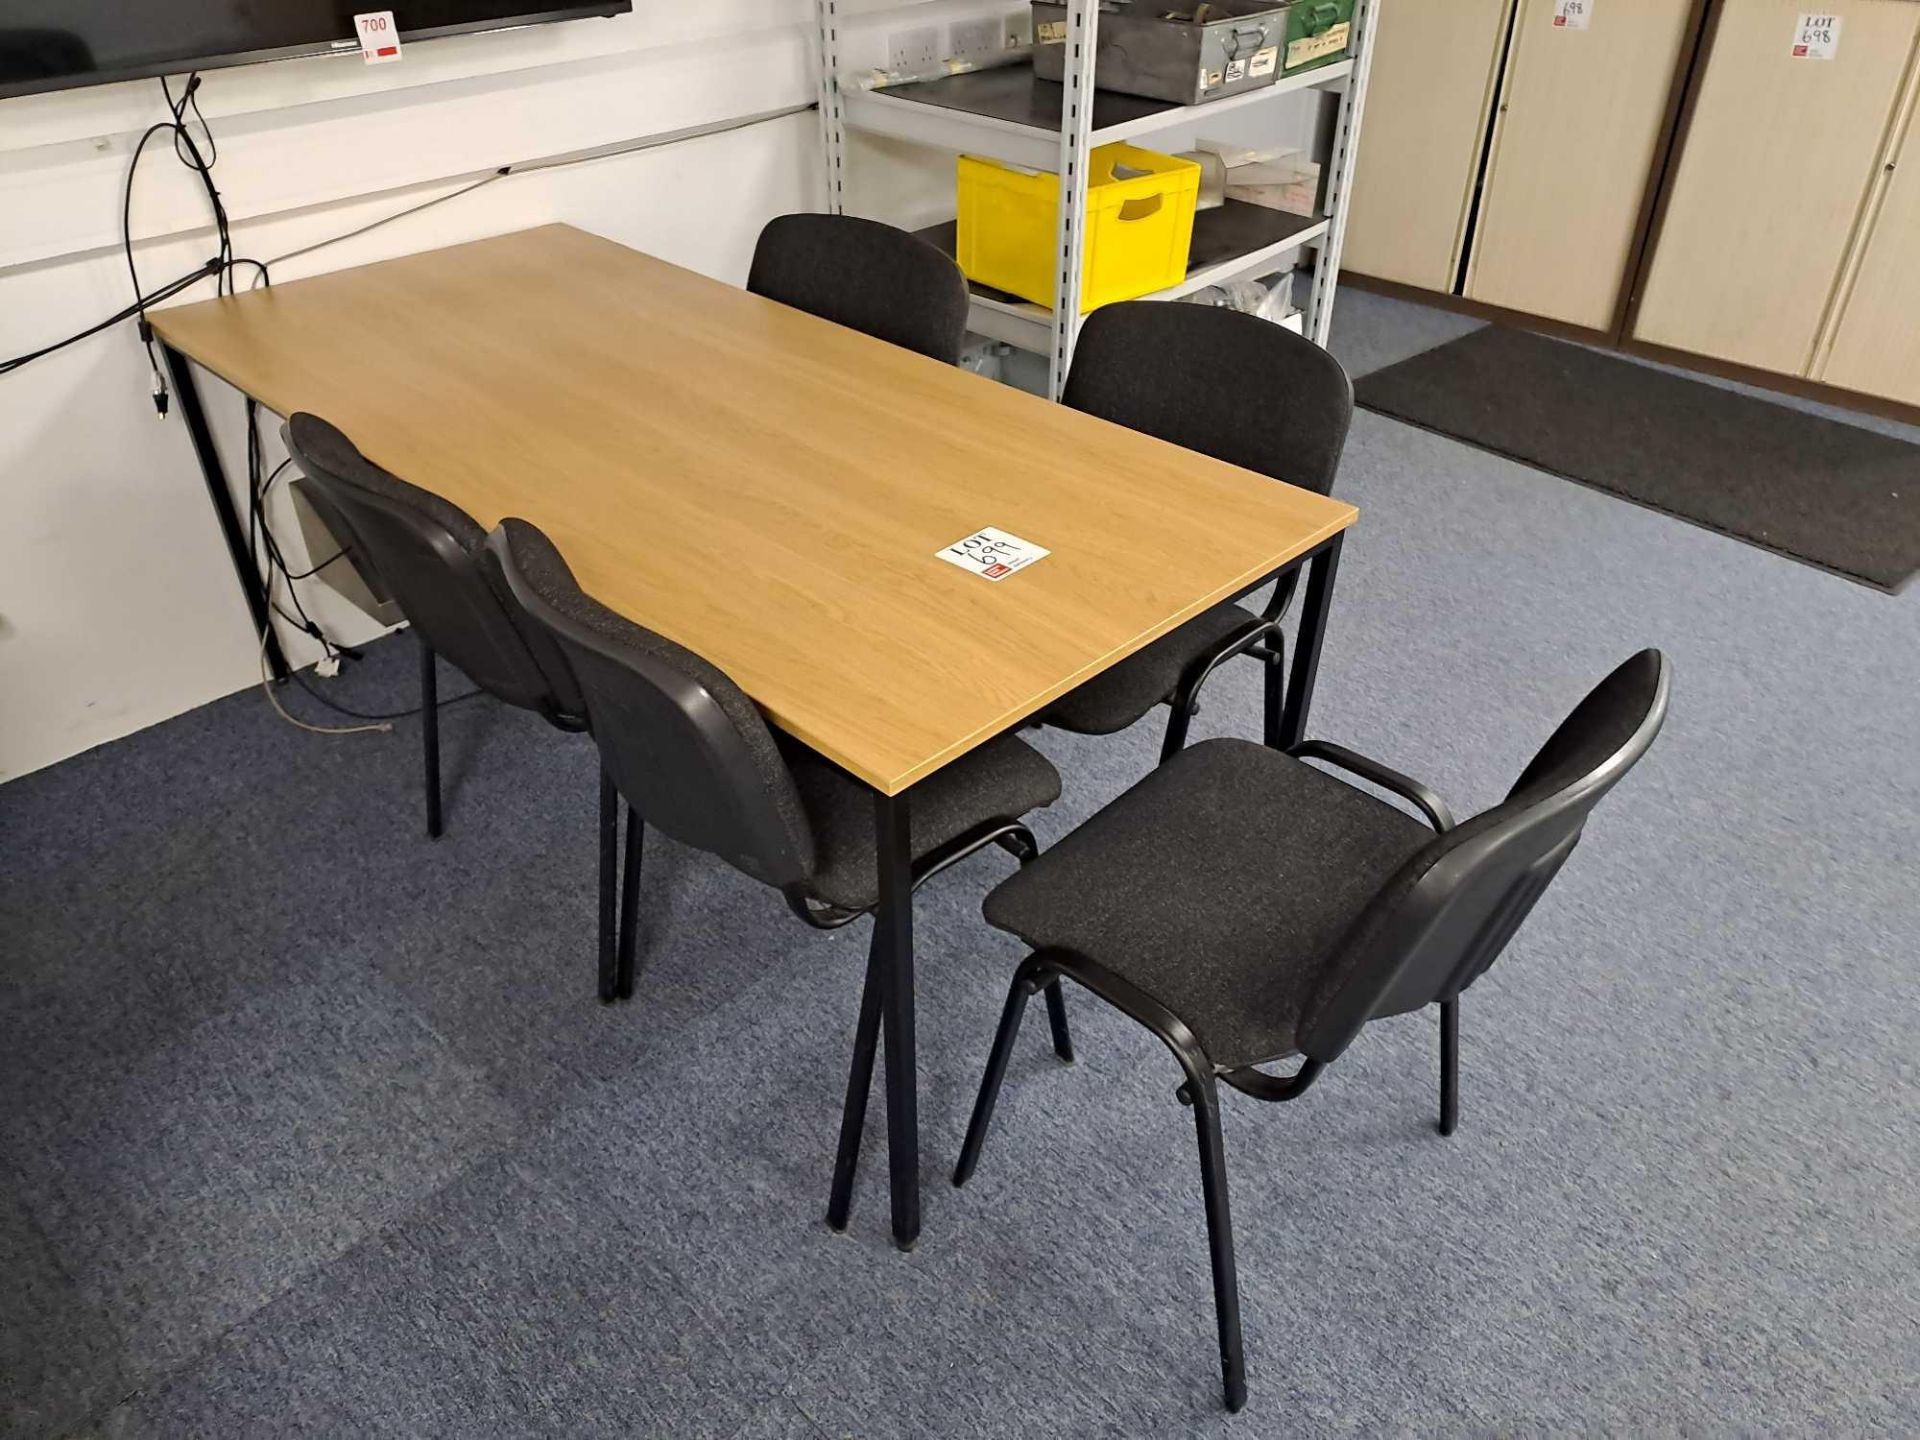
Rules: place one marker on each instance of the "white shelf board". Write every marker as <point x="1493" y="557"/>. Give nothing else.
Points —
<point x="1251" y="265"/>
<point x="1026" y="326"/>
<point x="1018" y="142"/>
<point x="1324" y="78"/>
<point x="878" y="113"/>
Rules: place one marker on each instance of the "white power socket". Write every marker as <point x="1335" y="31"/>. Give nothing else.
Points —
<point x="913" y="51"/>
<point x="976" y="37"/>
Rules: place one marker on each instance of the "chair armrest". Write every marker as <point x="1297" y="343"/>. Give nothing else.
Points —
<point x="1374" y="773"/>
<point x="1282" y="597"/>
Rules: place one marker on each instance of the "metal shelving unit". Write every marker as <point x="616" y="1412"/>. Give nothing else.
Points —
<point x="1007" y="114"/>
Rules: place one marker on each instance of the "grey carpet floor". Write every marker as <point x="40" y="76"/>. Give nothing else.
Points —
<point x="309" y="1126"/>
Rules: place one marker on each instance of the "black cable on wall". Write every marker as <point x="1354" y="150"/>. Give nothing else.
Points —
<point x="200" y="154"/>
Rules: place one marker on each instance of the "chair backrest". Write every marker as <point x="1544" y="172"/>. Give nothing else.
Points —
<point x="431" y="556"/>
<point x="1230" y="385"/>
<point x="1445" y="916"/>
<point x="1226" y="384"/>
<point x="682" y="742"/>
<point x="866" y="276"/>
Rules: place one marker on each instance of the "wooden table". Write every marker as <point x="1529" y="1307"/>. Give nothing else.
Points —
<point x="771" y="491"/>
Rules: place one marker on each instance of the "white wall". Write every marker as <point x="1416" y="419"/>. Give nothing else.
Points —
<point x="118" y="607"/>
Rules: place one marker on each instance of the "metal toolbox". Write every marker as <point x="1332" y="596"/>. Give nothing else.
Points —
<point x="1187" y="54"/>
<point x="1318" y="33"/>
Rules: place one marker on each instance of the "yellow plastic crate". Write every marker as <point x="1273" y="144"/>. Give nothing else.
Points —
<point x="1139" y="225"/>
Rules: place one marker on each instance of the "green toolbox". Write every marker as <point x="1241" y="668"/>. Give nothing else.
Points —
<point x="1318" y="32"/>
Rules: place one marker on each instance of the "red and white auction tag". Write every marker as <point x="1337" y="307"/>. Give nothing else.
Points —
<point x="1816" y="37"/>
<point x="1572" y="14"/>
<point x="992" y="554"/>
<point x="379" y="36"/>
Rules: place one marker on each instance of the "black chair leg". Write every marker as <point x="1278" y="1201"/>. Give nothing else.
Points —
<point x="1027" y="851"/>
<point x="1057" y="1019"/>
<point x="853" y="1117"/>
<point x="1449" y="1065"/>
<point x="430" y="735"/>
<point x="1226" y="1284"/>
<point x="609" y="876"/>
<point x="1181" y="707"/>
<point x="629" y="906"/>
<point x="1025" y="982"/>
<point x="1276" y="689"/>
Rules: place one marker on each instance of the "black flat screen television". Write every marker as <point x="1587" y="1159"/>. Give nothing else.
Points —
<point x="57" y="44"/>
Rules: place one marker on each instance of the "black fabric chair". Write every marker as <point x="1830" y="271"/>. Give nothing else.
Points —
<point x="1246" y="907"/>
<point x="431" y="557"/>
<point x="866" y="276"/>
<point x="695" y="758"/>
<point x="1242" y="390"/>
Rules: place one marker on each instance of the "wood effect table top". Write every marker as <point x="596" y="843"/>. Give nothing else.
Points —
<point x="764" y="487"/>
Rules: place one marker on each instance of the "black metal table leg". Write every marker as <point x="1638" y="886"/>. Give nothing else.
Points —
<point x="893" y="935"/>
<point x="1306" y="649"/>
<point x="180" y="374"/>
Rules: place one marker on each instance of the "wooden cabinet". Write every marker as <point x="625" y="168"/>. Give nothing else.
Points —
<point x="1508" y="158"/>
<point x="1778" y="168"/>
<point x="1434" y="70"/>
<point x="1581" y="115"/>
<point x="1875" y="345"/>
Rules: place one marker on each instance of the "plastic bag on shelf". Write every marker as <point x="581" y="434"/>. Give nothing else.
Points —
<point x="1270" y="300"/>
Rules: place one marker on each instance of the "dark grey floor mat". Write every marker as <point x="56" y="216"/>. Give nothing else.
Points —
<point x="1833" y="495"/>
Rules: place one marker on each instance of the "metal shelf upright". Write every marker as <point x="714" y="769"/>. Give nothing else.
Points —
<point x="1007" y="114"/>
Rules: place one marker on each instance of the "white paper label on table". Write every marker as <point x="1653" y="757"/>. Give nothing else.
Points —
<point x="379" y="36"/>
<point x="1264" y="61"/>
<point x="992" y="554"/>
<point x="1572" y="14"/>
<point x="1816" y="37"/>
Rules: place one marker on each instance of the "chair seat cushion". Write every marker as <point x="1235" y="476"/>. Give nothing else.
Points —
<point x="1001" y="780"/>
<point x="1218" y="885"/>
<point x="1117" y="697"/>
